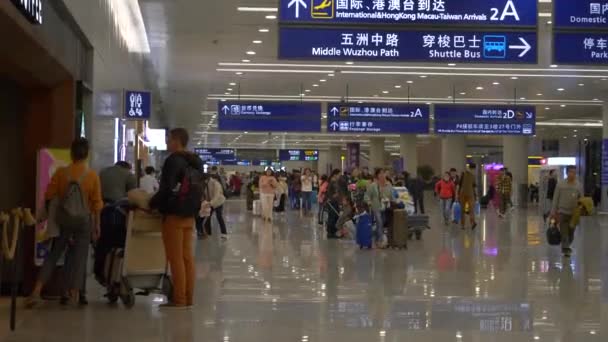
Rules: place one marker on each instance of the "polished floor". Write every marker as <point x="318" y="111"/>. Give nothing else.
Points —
<point x="285" y="282"/>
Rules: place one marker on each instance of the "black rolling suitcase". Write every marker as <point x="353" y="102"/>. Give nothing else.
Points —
<point x="398" y="229"/>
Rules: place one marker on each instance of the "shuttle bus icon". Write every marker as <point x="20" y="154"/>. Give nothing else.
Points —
<point x="495" y="46"/>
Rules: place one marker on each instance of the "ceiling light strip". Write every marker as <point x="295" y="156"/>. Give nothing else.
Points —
<point x="402" y="67"/>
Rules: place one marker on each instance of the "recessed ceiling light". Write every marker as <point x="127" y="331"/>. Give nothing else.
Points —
<point x="302" y="94"/>
<point x="307" y="91"/>
<point x="323" y="80"/>
<point x="595" y="99"/>
<point x="479" y="88"/>
<point x="238" y="73"/>
<point x="463" y="93"/>
<point x="522" y="98"/>
<point x="331" y="75"/>
<point x="251" y="53"/>
<point x="451" y="64"/>
<point x="232" y="83"/>
<point x="496" y="83"/>
<point x="604" y="79"/>
<point x="227" y="93"/>
<point x="397" y="87"/>
<point x="385" y="92"/>
<point x="576" y="130"/>
<point x="410" y="82"/>
<point x="350" y="63"/>
<point x="423" y="76"/>
<point x="547" y="108"/>
<point x="560" y="89"/>
<point x="539" y="94"/>
<point x="428" y="103"/>
<point x="563" y="106"/>
<point x="514" y="78"/>
<point x="229" y="89"/>
<point x="264" y="30"/>
<point x="246" y="60"/>
<point x="549" y="22"/>
<point x="315" y="85"/>
<point x="449" y="97"/>
<point x="271" y="17"/>
<point x="376" y="95"/>
<point x="257" y="9"/>
<point x="257" y="42"/>
<point x="581" y="84"/>
<point x="554" y="65"/>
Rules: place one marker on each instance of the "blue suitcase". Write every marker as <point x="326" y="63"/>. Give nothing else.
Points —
<point x="364" y="231"/>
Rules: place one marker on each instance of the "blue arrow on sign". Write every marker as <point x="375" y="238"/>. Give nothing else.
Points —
<point x="335" y="111"/>
<point x="225" y="109"/>
<point x="297" y="4"/>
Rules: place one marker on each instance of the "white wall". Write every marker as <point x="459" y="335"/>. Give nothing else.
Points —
<point x="114" y="68"/>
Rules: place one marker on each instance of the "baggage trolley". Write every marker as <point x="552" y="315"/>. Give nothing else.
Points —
<point x="144" y="263"/>
<point x="416" y="225"/>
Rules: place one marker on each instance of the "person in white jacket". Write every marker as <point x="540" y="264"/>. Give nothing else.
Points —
<point x="212" y="202"/>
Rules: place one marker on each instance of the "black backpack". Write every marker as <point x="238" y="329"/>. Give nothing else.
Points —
<point x="186" y="199"/>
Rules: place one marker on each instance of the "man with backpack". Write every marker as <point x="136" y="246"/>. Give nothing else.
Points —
<point x="75" y="191"/>
<point x="179" y="200"/>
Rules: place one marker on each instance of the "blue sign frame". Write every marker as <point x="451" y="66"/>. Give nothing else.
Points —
<point x="580" y="48"/>
<point x="137" y="105"/>
<point x="485" y="119"/>
<point x="514" y="13"/>
<point x="215" y="153"/>
<point x="298" y="155"/>
<point x="581" y="14"/>
<point x="269" y="116"/>
<point x="351" y="44"/>
<point x="377" y="118"/>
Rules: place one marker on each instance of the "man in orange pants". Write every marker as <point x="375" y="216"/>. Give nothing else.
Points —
<point x="467" y="194"/>
<point x="179" y="200"/>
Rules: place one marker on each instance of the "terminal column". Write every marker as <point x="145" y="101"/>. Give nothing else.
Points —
<point x="409" y="153"/>
<point x="376" y="153"/>
<point x="604" y="173"/>
<point x="453" y="153"/>
<point x="515" y="158"/>
<point x="334" y="158"/>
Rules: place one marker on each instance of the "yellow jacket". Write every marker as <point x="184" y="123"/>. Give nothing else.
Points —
<point x="584" y="208"/>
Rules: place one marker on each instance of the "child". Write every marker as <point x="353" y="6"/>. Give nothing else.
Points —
<point x="364" y="226"/>
<point x="345" y="216"/>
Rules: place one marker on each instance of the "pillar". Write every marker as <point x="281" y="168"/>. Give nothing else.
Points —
<point x="409" y="153"/>
<point x="329" y="160"/>
<point x="376" y="153"/>
<point x="515" y="158"/>
<point x="453" y="153"/>
<point x="604" y="175"/>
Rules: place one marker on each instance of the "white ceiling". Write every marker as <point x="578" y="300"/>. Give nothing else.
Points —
<point x="197" y="48"/>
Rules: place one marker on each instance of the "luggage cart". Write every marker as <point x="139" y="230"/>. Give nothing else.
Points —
<point x="417" y="224"/>
<point x="144" y="265"/>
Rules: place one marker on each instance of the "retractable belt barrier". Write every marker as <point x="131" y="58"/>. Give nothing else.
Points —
<point x="12" y="227"/>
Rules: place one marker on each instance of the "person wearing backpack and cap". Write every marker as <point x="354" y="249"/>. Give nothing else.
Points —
<point x="77" y="190"/>
<point x="178" y="199"/>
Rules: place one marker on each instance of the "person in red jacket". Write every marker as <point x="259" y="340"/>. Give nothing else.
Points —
<point x="446" y="189"/>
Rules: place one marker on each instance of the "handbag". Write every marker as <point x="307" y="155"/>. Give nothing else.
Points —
<point x="554" y="236"/>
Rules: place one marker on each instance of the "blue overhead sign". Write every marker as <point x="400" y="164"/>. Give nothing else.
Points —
<point x="402" y="12"/>
<point x="580" y="48"/>
<point x="138" y="104"/>
<point x="485" y="119"/>
<point x="377" y="118"/>
<point x="298" y="155"/>
<point x="213" y="154"/>
<point x="407" y="46"/>
<point x="581" y="13"/>
<point x="269" y="116"/>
